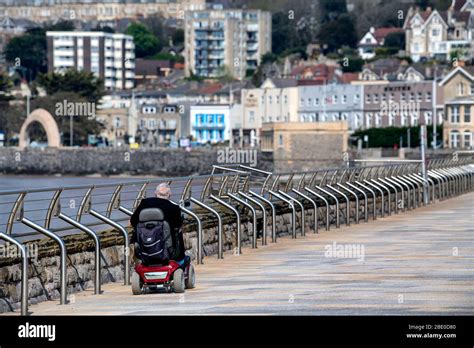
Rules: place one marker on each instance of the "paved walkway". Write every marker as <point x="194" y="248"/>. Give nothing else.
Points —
<point x="419" y="262"/>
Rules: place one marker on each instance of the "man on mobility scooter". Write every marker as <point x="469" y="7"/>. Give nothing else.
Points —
<point x="159" y="245"/>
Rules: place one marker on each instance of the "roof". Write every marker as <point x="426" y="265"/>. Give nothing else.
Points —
<point x="283" y="83"/>
<point x="462" y="16"/>
<point x="347" y="78"/>
<point x="151" y="66"/>
<point x="381" y="33"/>
<point x="319" y="73"/>
<point x="467" y="71"/>
<point x="459" y="4"/>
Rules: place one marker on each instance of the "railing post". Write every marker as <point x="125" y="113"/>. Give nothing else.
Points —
<point x="348" y="204"/>
<point x="126" y="246"/>
<point x="366" y="202"/>
<point x="237" y="215"/>
<point x="309" y="190"/>
<point x="24" y="271"/>
<point x="199" y="233"/>
<point x="287" y="196"/>
<point x="264" y="215"/>
<point x="356" y="218"/>
<point x="254" y="214"/>
<point x="220" y="254"/>
<point x="315" y="206"/>
<point x="293" y="210"/>
<point x="272" y="207"/>
<point x="337" y="203"/>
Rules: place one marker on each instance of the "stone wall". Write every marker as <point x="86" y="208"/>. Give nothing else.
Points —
<point x="81" y="161"/>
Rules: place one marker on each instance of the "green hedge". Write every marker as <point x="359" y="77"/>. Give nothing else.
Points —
<point x="388" y="137"/>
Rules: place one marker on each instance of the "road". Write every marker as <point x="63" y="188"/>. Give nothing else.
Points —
<point x="417" y="263"/>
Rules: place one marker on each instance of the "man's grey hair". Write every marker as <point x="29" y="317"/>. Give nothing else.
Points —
<point x="163" y="190"/>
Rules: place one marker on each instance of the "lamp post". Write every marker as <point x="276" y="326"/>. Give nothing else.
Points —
<point x="423" y="160"/>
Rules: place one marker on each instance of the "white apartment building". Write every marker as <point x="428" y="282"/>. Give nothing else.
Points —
<point x="230" y="41"/>
<point x="109" y="56"/>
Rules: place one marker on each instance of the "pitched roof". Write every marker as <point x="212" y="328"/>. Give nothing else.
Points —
<point x="151" y="66"/>
<point x="462" y="16"/>
<point x="381" y="33"/>
<point x="459" y="4"/>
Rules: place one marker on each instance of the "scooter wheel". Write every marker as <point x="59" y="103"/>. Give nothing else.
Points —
<point x="190" y="281"/>
<point x="136" y="284"/>
<point x="178" y="281"/>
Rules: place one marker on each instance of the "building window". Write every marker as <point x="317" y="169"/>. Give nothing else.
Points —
<point x="302" y="102"/>
<point x="455" y="139"/>
<point x="377" y="120"/>
<point x="356" y="98"/>
<point x="460" y="89"/>
<point x="403" y="119"/>
<point x="455" y="118"/>
<point x="367" y="98"/>
<point x="376" y="98"/>
<point x="420" y="96"/>
<point x="308" y="102"/>
<point x="269" y="99"/>
<point x="251" y="116"/>
<point x="334" y="99"/>
<point x="117" y="122"/>
<point x="280" y="139"/>
<point x="391" y="119"/>
<point x="467" y="114"/>
<point x="412" y="97"/>
<point x="316" y="101"/>
<point x="285" y="99"/>
<point x="414" y="119"/>
<point x="384" y="97"/>
<point x="403" y="97"/>
<point x="344" y="99"/>
<point x="356" y="121"/>
<point x="277" y="99"/>
<point x="467" y="139"/>
<point x="428" y="118"/>
<point x="368" y="120"/>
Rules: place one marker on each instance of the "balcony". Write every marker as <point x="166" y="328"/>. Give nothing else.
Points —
<point x="208" y="126"/>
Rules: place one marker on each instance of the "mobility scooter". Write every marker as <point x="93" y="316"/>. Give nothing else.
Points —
<point x="156" y="270"/>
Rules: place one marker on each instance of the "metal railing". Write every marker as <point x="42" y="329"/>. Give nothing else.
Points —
<point x="232" y="191"/>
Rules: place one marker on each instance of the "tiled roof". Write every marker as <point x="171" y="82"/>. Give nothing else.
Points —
<point x="381" y="33"/>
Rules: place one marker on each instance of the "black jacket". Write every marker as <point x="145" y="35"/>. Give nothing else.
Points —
<point x="172" y="216"/>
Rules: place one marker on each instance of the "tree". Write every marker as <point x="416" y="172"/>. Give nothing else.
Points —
<point x="60" y="26"/>
<point x="337" y="33"/>
<point x="83" y="126"/>
<point x="395" y="41"/>
<point x="352" y="64"/>
<point x="11" y="119"/>
<point x="84" y="83"/>
<point x="285" y="35"/>
<point x="332" y="9"/>
<point x="27" y="53"/>
<point x="268" y="57"/>
<point x="178" y="37"/>
<point x="146" y="44"/>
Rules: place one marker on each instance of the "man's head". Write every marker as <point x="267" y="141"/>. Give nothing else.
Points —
<point x="163" y="191"/>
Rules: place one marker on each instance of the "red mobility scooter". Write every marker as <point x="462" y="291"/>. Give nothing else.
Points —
<point x="154" y="248"/>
